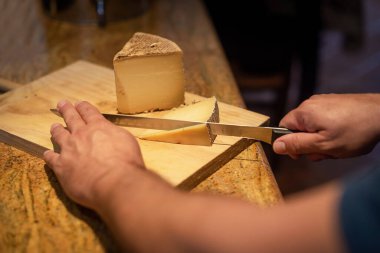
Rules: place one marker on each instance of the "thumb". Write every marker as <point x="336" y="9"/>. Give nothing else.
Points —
<point x="297" y="144"/>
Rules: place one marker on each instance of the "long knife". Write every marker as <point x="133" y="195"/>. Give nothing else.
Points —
<point x="265" y="134"/>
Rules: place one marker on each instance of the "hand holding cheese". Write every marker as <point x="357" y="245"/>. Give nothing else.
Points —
<point x="149" y="74"/>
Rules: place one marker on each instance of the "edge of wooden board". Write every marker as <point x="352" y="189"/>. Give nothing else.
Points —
<point x="215" y="164"/>
<point x="188" y="184"/>
<point x="22" y="144"/>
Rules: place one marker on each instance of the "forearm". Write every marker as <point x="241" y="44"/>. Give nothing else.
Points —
<point x="148" y="215"/>
<point x="153" y="217"/>
<point x="134" y="209"/>
<point x="308" y="223"/>
<point x="375" y="113"/>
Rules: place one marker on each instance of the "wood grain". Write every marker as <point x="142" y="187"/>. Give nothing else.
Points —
<point x="37" y="216"/>
<point x="33" y="45"/>
<point x="25" y="114"/>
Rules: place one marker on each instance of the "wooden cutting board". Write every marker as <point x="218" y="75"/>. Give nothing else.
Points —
<point x="25" y="121"/>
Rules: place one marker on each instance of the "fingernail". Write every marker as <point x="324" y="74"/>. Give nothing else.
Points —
<point x="279" y="147"/>
<point x="54" y="126"/>
<point x="61" y="103"/>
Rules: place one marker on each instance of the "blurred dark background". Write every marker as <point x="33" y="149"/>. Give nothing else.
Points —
<point x="283" y="51"/>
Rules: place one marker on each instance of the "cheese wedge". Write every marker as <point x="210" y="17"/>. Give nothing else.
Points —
<point x="205" y="111"/>
<point x="149" y="75"/>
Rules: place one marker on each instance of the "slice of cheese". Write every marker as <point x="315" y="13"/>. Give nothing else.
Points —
<point x="205" y="111"/>
<point x="149" y="75"/>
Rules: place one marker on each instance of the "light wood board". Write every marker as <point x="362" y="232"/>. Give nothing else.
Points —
<point x="25" y="121"/>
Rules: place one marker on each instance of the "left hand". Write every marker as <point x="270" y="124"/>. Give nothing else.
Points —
<point x="94" y="153"/>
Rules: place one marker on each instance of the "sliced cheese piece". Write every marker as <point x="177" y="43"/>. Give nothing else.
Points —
<point x="204" y="111"/>
<point x="149" y="75"/>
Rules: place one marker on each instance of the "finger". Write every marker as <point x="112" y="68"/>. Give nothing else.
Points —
<point x="293" y="120"/>
<point x="280" y="148"/>
<point x="70" y="115"/>
<point x="297" y="144"/>
<point x="88" y="112"/>
<point x="51" y="159"/>
<point x="288" y="120"/>
<point x="59" y="134"/>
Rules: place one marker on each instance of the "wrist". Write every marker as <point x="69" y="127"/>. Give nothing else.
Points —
<point x="111" y="183"/>
<point x="127" y="205"/>
<point x="126" y="189"/>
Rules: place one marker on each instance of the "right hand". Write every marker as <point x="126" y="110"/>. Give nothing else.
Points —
<point x="332" y="126"/>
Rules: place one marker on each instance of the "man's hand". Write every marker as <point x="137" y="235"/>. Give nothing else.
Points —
<point x="94" y="153"/>
<point x="333" y="126"/>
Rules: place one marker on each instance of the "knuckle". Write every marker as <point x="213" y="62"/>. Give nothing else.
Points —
<point x="71" y="118"/>
<point x="324" y="146"/>
<point x="315" y="96"/>
<point x="294" y="145"/>
<point x="97" y="119"/>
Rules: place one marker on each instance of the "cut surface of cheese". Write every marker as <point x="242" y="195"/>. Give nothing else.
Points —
<point x="204" y="111"/>
<point x="149" y="75"/>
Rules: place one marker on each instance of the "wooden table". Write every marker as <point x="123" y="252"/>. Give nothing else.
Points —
<point x="35" y="214"/>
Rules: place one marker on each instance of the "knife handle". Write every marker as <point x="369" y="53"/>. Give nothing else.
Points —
<point x="278" y="132"/>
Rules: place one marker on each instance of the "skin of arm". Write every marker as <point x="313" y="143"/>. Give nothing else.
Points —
<point x="332" y="126"/>
<point x="100" y="166"/>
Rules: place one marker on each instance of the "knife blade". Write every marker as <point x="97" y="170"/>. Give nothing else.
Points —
<point x="265" y="134"/>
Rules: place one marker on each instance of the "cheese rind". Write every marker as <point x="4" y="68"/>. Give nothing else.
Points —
<point x="149" y="75"/>
<point x="204" y="111"/>
<point x="144" y="44"/>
